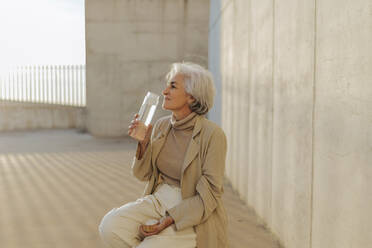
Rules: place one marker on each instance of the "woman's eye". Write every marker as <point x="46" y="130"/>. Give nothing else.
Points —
<point x="172" y="86"/>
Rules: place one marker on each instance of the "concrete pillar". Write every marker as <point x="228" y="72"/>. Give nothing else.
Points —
<point x="130" y="45"/>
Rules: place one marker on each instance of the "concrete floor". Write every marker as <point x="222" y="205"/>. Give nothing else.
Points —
<point x="56" y="185"/>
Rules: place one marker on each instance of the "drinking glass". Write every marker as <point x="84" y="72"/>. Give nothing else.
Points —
<point x="146" y="112"/>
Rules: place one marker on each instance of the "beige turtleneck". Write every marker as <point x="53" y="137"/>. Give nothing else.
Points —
<point x="172" y="154"/>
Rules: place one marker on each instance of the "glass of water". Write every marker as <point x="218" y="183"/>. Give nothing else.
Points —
<point x="146" y="112"/>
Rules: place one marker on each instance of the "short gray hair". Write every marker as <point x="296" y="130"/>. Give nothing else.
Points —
<point x="198" y="83"/>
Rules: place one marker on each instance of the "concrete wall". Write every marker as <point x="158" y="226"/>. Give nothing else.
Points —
<point x="296" y="101"/>
<point x="293" y="82"/>
<point x="130" y="46"/>
<point x="26" y="116"/>
<point x="343" y="125"/>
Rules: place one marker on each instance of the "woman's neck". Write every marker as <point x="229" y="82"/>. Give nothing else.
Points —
<point x="179" y="115"/>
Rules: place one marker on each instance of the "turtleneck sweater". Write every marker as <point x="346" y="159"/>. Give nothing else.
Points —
<point x="172" y="154"/>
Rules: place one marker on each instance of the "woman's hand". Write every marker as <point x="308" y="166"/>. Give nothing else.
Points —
<point x="137" y="126"/>
<point x="148" y="230"/>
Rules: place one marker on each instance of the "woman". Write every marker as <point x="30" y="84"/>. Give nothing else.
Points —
<point x="183" y="160"/>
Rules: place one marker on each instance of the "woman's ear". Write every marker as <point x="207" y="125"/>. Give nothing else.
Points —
<point x="190" y="99"/>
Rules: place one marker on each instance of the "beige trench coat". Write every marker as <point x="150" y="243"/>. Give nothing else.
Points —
<point x="201" y="180"/>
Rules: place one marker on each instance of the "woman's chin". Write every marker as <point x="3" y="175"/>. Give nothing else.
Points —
<point x="165" y="107"/>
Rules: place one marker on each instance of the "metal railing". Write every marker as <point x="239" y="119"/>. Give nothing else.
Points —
<point x="49" y="84"/>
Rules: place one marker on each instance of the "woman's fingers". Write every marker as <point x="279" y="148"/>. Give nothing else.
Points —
<point x="148" y="131"/>
<point x="144" y="132"/>
<point x="143" y="232"/>
<point x="148" y="230"/>
<point x="133" y="124"/>
<point x="135" y="117"/>
<point x="146" y="140"/>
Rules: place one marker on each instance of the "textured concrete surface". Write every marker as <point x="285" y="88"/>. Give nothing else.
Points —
<point x="260" y="104"/>
<point x="244" y="68"/>
<point x="292" y="123"/>
<point x="130" y="45"/>
<point x="343" y="125"/>
<point x="295" y="103"/>
<point x="55" y="186"/>
<point x="28" y="116"/>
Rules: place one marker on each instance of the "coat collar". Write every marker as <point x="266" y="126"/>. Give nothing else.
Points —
<point x="192" y="149"/>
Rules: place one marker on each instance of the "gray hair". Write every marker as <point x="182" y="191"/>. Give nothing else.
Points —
<point x="198" y="83"/>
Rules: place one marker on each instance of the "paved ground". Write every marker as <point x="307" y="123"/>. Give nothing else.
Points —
<point x="55" y="186"/>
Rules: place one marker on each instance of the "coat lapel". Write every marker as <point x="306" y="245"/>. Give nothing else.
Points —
<point x="193" y="148"/>
<point x="192" y="152"/>
<point x="159" y="142"/>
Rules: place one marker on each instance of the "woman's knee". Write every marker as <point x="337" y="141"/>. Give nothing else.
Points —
<point x="107" y="225"/>
<point x="121" y="217"/>
<point x="118" y="231"/>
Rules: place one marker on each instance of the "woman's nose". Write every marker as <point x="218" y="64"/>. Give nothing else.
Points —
<point x="165" y="91"/>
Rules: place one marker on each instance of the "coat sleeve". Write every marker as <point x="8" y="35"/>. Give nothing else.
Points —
<point x="142" y="168"/>
<point x="196" y="209"/>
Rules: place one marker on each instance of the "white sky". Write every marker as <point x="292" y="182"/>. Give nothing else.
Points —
<point x="41" y="32"/>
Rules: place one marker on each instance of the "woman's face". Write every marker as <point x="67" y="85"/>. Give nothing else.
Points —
<point x="175" y="97"/>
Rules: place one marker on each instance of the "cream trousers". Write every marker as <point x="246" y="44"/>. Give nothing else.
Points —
<point x="119" y="227"/>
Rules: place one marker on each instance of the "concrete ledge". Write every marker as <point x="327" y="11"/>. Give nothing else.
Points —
<point x="27" y="116"/>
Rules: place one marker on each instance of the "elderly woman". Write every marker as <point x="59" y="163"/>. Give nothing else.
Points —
<point x="183" y="161"/>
